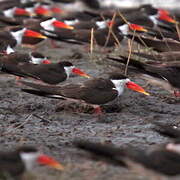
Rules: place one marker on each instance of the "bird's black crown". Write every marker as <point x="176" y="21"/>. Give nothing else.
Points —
<point x="27" y="149"/>
<point x="117" y="76"/>
<point x="37" y="55"/>
<point x="66" y="63"/>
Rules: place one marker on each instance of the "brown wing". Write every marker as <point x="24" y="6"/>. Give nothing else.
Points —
<point x="48" y="73"/>
<point x="96" y="91"/>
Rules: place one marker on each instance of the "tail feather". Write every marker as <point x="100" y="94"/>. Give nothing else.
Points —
<point x="40" y="93"/>
<point x="46" y="89"/>
<point x="139" y="65"/>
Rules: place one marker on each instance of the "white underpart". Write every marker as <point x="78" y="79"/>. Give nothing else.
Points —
<point x="35" y="60"/>
<point x="68" y="70"/>
<point x="18" y="35"/>
<point x="101" y="24"/>
<point x="124" y="29"/>
<point x="9" y="13"/>
<point x="29" y="159"/>
<point x="120" y="84"/>
<point x="47" y="25"/>
<point x="71" y="22"/>
<point x="9" y="50"/>
<point x="173" y="147"/>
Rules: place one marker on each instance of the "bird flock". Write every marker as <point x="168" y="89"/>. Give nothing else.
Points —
<point x="28" y="23"/>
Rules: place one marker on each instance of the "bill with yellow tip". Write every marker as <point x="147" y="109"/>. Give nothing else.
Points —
<point x="34" y="34"/>
<point x="49" y="161"/>
<point x="135" y="87"/>
<point x="80" y="73"/>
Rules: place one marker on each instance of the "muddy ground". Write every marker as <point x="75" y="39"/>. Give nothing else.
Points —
<point x="52" y="125"/>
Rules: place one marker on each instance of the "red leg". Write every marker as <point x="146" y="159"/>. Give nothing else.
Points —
<point x="98" y="110"/>
<point x="177" y="93"/>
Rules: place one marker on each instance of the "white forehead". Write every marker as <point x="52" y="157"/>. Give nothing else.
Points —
<point x="101" y="24"/>
<point x="173" y="147"/>
<point x="47" y="25"/>
<point x="68" y="70"/>
<point x="35" y="60"/>
<point x="124" y="29"/>
<point x="9" y="50"/>
<point x="153" y="18"/>
<point x="9" y="12"/>
<point x="27" y="156"/>
<point x="18" y="35"/>
<point x="119" y="85"/>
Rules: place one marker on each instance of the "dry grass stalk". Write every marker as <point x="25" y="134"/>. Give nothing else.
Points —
<point x="178" y="30"/>
<point x="130" y="43"/>
<point x="111" y="31"/>
<point x="10" y="132"/>
<point x="92" y="41"/>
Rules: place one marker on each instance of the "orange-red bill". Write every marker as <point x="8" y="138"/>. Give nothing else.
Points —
<point x="56" y="10"/>
<point x="80" y="73"/>
<point x="136" y="27"/>
<point x="60" y="24"/>
<point x="42" y="11"/>
<point x="136" y="87"/>
<point x="164" y="15"/>
<point x="110" y="23"/>
<point x="34" y="34"/>
<point x="163" y="11"/>
<point x="46" y="61"/>
<point x="46" y="160"/>
<point x="21" y="12"/>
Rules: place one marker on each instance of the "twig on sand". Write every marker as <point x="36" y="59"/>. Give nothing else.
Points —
<point x="17" y="127"/>
<point x="43" y="119"/>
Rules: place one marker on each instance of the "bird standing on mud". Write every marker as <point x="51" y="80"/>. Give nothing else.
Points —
<point x="96" y="91"/>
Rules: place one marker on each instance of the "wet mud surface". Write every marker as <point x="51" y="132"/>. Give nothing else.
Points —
<point x="53" y="124"/>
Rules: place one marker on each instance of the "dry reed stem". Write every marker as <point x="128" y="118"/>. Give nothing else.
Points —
<point x="92" y="41"/>
<point x="130" y="43"/>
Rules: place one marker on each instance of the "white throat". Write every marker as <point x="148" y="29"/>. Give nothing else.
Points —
<point x="153" y="18"/>
<point x="101" y="24"/>
<point x="29" y="159"/>
<point x="18" y="35"/>
<point x="47" y="25"/>
<point x="9" y="50"/>
<point x="124" y="29"/>
<point x="119" y="85"/>
<point x="173" y="147"/>
<point x="35" y="60"/>
<point x="9" y="12"/>
<point x="68" y="70"/>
